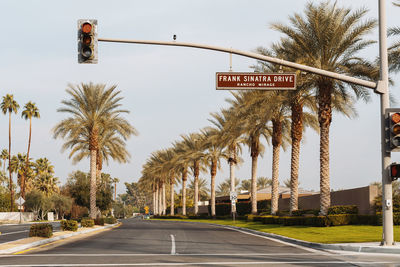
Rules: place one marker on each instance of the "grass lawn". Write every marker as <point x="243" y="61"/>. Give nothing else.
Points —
<point x="328" y="235"/>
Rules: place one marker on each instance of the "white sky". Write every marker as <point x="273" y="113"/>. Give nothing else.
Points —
<point x="169" y="91"/>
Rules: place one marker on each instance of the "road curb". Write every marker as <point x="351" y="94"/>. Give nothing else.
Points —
<point x="320" y="246"/>
<point x="52" y="239"/>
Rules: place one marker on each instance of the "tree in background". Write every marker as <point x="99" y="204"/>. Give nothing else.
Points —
<point x="224" y="188"/>
<point x="203" y="190"/>
<point x="30" y="111"/>
<point x="135" y="196"/>
<point x="94" y="109"/>
<point x="9" y="105"/>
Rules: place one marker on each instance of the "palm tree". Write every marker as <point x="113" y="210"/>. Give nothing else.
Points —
<point x="30" y="111"/>
<point x="394" y="49"/>
<point x="9" y="105"/>
<point x="192" y="145"/>
<point x="213" y="152"/>
<point x="202" y="190"/>
<point x="94" y="108"/>
<point x="329" y="38"/>
<point x="253" y="126"/>
<point x="43" y="165"/>
<point x="225" y="187"/>
<point x="246" y="185"/>
<point x="4" y="157"/>
<point x="115" y="181"/>
<point x="231" y="139"/>
<point x="263" y="182"/>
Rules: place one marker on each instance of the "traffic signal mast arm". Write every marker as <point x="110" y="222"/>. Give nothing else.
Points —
<point x="341" y="77"/>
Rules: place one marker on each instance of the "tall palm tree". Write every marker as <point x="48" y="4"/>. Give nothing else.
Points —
<point x="202" y="190"/>
<point x="224" y="188"/>
<point x="9" y="105"/>
<point x="329" y="37"/>
<point x="30" y="111"/>
<point x="263" y="182"/>
<point x="182" y="164"/>
<point x="253" y="126"/>
<point x="231" y="139"/>
<point x="43" y="165"/>
<point x="213" y="153"/>
<point x="93" y="108"/>
<point x="192" y="145"/>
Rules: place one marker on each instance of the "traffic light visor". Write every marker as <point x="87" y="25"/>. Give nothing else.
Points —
<point x="87" y="28"/>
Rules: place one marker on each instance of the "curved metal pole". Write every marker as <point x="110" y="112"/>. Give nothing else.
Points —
<point x="341" y="77"/>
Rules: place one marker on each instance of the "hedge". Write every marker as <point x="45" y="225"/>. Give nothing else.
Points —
<point x="344" y="209"/>
<point x="87" y="222"/>
<point x="242" y="208"/>
<point x="69" y="225"/>
<point x="110" y="220"/>
<point x="41" y="230"/>
<point x="99" y="221"/>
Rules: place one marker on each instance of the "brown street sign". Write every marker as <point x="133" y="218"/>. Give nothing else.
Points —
<point x="255" y="81"/>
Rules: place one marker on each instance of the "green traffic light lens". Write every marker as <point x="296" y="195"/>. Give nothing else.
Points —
<point x="86" y="52"/>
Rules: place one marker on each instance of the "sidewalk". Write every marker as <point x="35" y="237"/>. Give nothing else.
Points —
<point x="31" y="242"/>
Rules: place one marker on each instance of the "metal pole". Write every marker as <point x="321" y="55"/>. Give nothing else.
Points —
<point x="387" y="207"/>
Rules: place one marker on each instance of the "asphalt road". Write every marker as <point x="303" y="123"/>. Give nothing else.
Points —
<point x="158" y="243"/>
<point x="17" y="231"/>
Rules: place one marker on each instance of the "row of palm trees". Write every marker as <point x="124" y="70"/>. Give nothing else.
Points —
<point x="10" y="105"/>
<point x="327" y="37"/>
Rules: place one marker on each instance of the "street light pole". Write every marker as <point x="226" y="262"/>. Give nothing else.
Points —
<point x="387" y="207"/>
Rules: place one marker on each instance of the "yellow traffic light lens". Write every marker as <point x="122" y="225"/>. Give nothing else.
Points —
<point x="86" y="27"/>
<point x="396" y="129"/>
<point x="86" y="40"/>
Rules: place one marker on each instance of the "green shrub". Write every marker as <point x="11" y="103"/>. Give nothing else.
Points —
<point x="345" y="209"/>
<point x="342" y="219"/>
<point x="99" y="221"/>
<point x="110" y="220"/>
<point x="170" y="217"/>
<point x="87" y="223"/>
<point x="69" y="225"/>
<point x="297" y="213"/>
<point x="41" y="230"/>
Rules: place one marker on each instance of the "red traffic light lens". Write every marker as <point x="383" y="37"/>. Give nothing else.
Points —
<point x="87" y="28"/>
<point x="395" y="118"/>
<point x="393" y="170"/>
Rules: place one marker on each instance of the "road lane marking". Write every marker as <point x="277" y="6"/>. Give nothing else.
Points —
<point x="159" y="254"/>
<point x="11" y="233"/>
<point x="206" y="263"/>
<point x="173" y="252"/>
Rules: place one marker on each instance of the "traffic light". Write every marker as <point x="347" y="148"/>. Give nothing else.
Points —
<point x="87" y="41"/>
<point x="394" y="171"/>
<point x="393" y="129"/>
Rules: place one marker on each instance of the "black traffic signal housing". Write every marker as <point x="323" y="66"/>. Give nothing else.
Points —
<point x="87" y="41"/>
<point x="393" y="130"/>
<point x="394" y="171"/>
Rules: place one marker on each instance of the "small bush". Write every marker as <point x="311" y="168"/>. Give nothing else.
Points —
<point x="41" y="230"/>
<point x="297" y="213"/>
<point x="69" y="225"/>
<point x="99" y="221"/>
<point x="87" y="223"/>
<point x="345" y="209"/>
<point x="110" y="220"/>
<point x="342" y="219"/>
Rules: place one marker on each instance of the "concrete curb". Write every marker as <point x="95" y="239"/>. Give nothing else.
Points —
<point x="319" y="246"/>
<point x="52" y="239"/>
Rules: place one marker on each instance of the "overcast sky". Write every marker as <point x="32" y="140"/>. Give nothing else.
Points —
<point x="168" y="90"/>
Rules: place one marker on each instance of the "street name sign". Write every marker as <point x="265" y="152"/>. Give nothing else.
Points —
<point x="255" y="81"/>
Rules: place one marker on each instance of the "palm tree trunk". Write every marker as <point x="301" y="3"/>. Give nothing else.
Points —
<point x="253" y="193"/>
<point x="324" y="118"/>
<point x="196" y="186"/>
<point x="172" y="194"/>
<point x="9" y="164"/>
<point x="232" y="165"/>
<point x="93" y="170"/>
<point x="160" y="207"/>
<point x="164" y="203"/>
<point x="275" y="181"/>
<point x="276" y="146"/>
<point x="156" y="201"/>
<point x="184" y="197"/>
<point x="296" y="135"/>
<point x="23" y="182"/>
<point x="213" y="173"/>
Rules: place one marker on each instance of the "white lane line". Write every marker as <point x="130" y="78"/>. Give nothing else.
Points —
<point x="152" y="255"/>
<point x="206" y="263"/>
<point x="173" y="252"/>
<point x="11" y="233"/>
